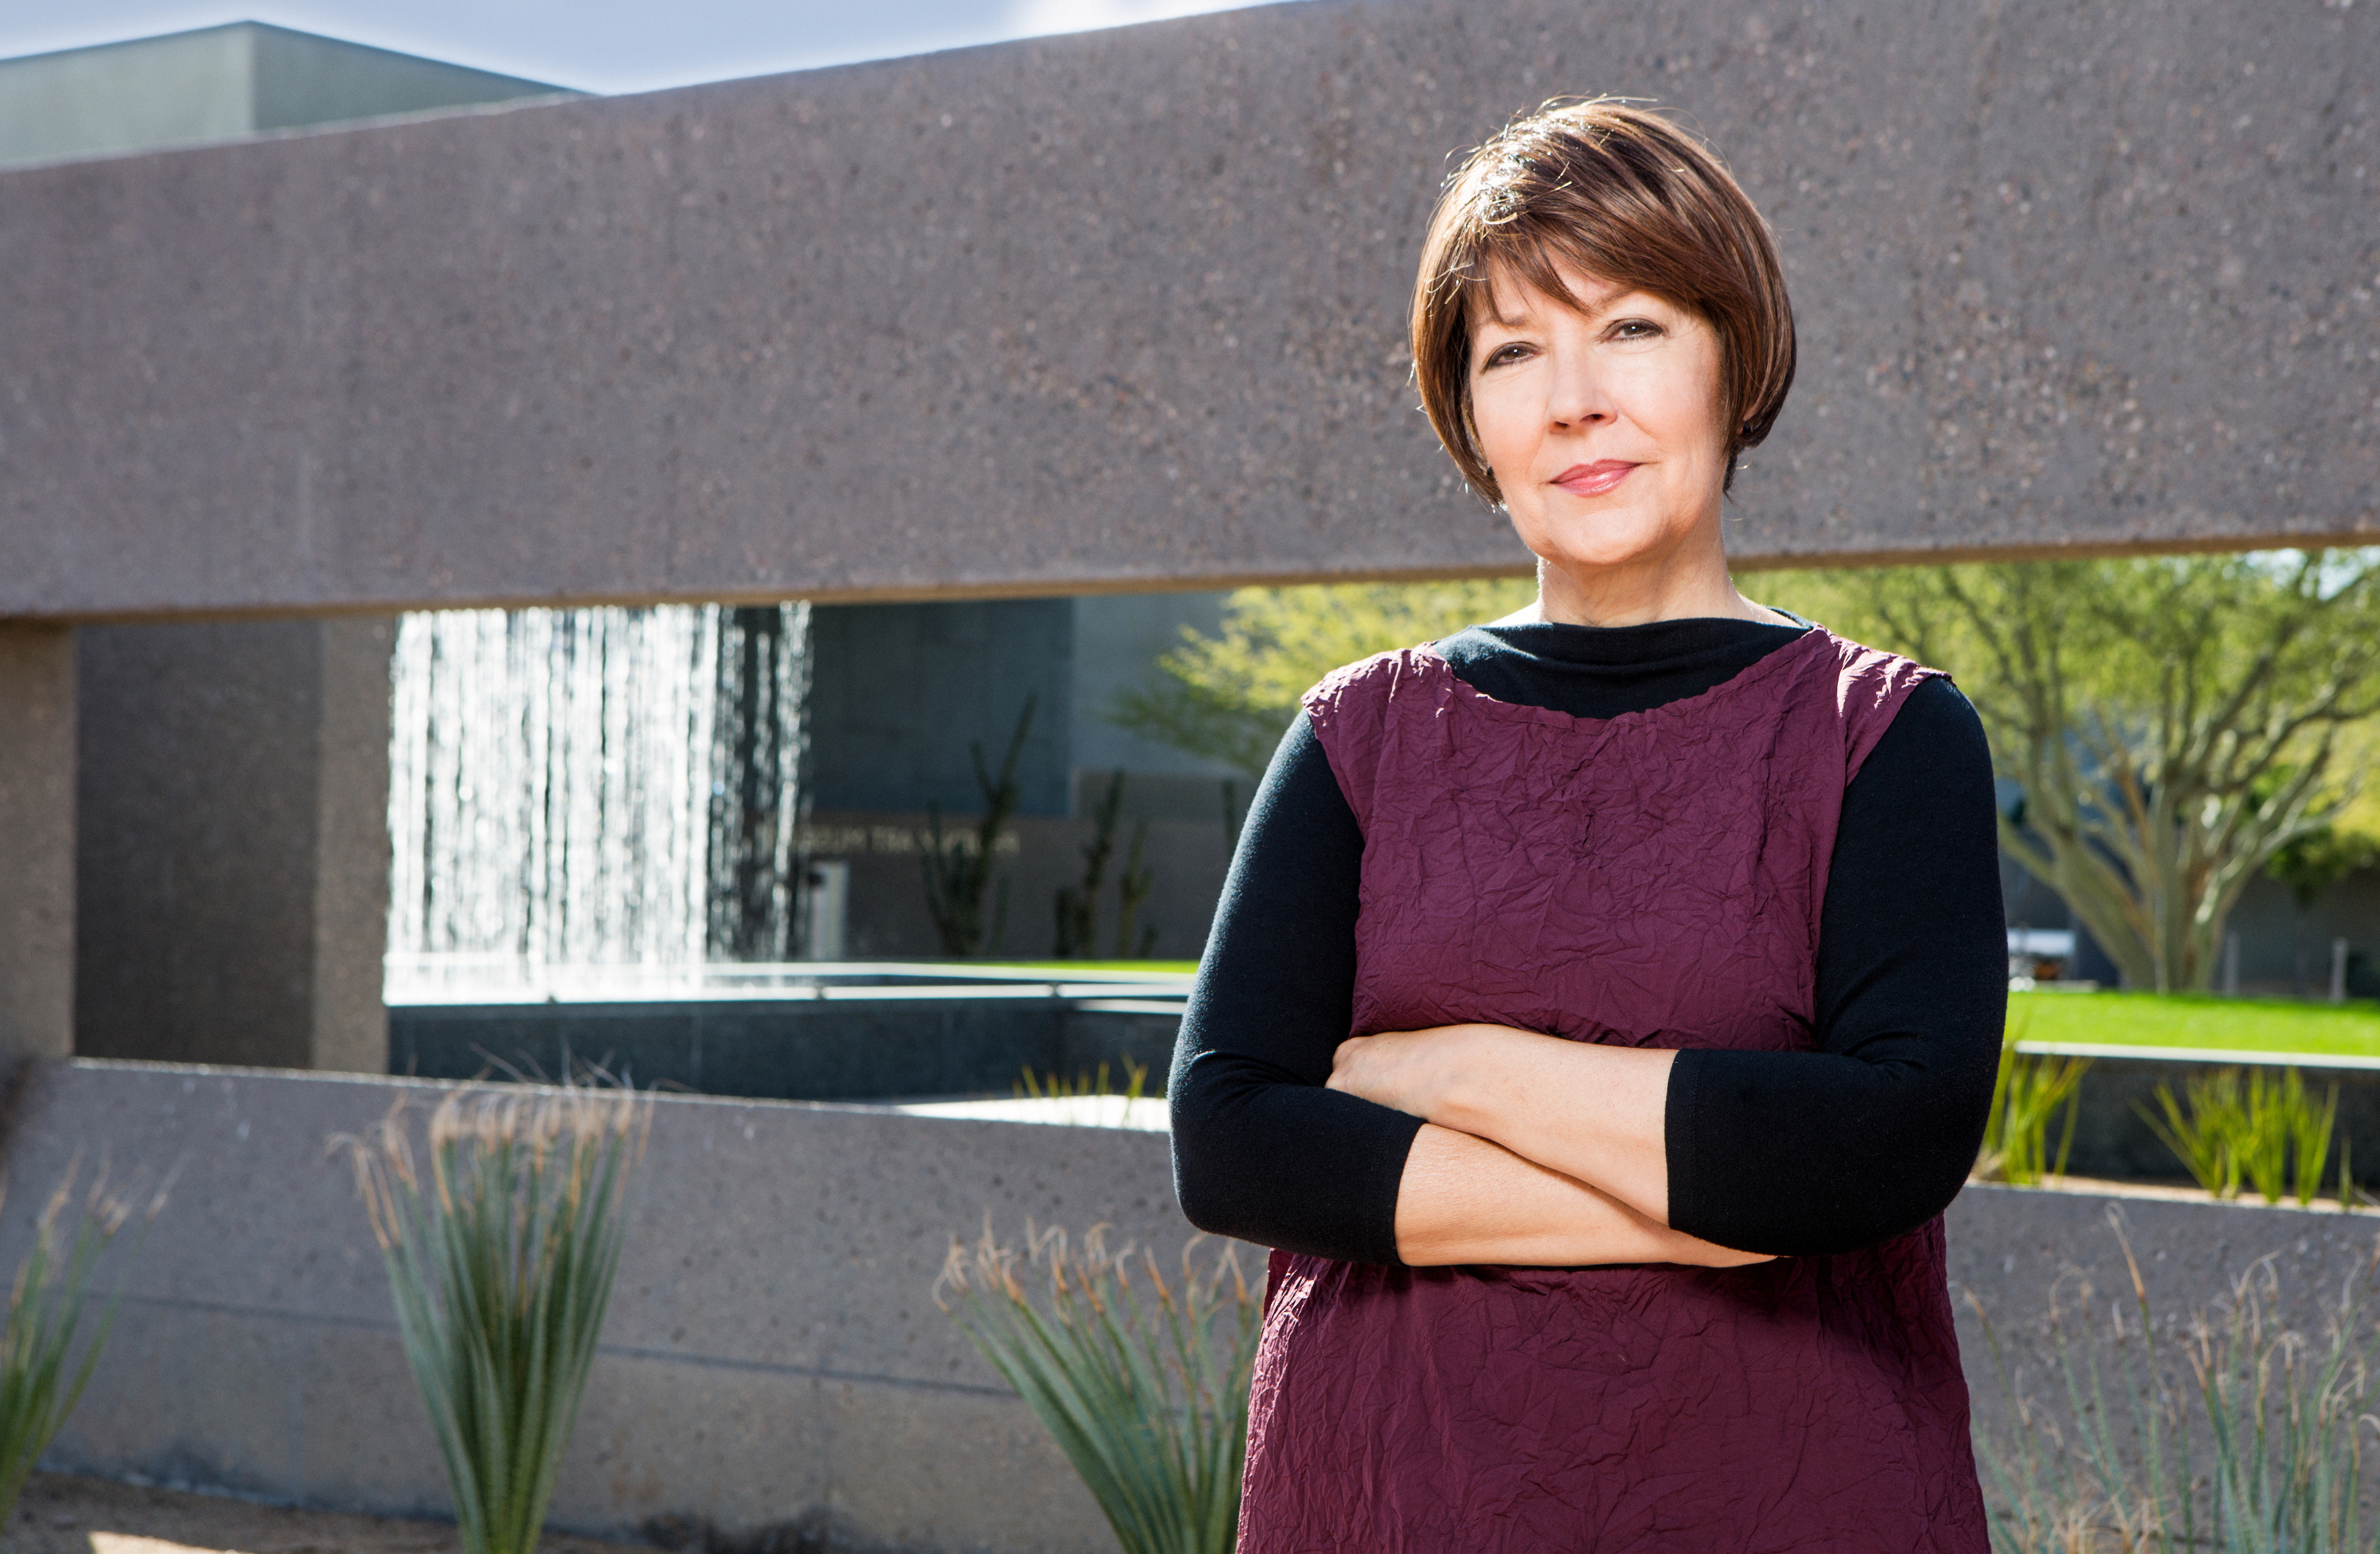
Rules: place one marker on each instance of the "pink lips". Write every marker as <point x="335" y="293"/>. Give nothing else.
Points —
<point x="1594" y="480"/>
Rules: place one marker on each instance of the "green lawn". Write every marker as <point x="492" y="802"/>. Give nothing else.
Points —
<point x="2199" y="1019"/>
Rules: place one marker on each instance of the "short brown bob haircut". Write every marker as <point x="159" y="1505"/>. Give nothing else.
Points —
<point x="1624" y="196"/>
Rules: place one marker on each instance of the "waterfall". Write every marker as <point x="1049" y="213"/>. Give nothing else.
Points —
<point x="593" y="788"/>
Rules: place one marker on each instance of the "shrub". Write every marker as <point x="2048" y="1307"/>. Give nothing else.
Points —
<point x="1143" y="1384"/>
<point x="2025" y="1095"/>
<point x="41" y="1381"/>
<point x="501" y="1264"/>
<point x="2269" y="1131"/>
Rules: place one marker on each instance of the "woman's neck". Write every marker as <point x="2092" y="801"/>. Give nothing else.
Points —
<point x="1631" y="596"/>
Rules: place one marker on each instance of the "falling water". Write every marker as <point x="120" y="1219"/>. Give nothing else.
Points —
<point x="592" y="788"/>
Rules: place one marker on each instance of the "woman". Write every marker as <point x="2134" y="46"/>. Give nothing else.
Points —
<point x="1604" y="1003"/>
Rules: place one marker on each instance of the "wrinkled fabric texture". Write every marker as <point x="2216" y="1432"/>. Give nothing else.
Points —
<point x="1653" y="880"/>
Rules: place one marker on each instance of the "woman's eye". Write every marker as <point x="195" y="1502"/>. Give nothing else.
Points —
<point x="1505" y="355"/>
<point x="1634" y="329"/>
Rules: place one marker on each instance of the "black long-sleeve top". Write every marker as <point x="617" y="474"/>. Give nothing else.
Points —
<point x="1793" y="1153"/>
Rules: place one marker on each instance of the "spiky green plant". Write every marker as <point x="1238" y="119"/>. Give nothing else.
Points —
<point x="501" y="1260"/>
<point x="1054" y="1086"/>
<point x="41" y="1381"/>
<point x="2311" y="1128"/>
<point x="2268" y="1131"/>
<point x="2026" y="1097"/>
<point x="1143" y="1384"/>
<point x="2228" y="1432"/>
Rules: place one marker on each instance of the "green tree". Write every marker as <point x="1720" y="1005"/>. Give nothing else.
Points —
<point x="1229" y="698"/>
<point x="2173" y="722"/>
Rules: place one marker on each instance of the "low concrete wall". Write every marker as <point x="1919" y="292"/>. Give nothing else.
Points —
<point x="2014" y="1252"/>
<point x="2112" y="1140"/>
<point x="794" y="1050"/>
<point x="773" y="1359"/>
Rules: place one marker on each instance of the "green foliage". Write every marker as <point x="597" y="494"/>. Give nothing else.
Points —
<point x="40" y="1378"/>
<point x="1054" y="1086"/>
<point x="2173" y="721"/>
<point x="2269" y="1131"/>
<point x="2313" y="863"/>
<point x="1143" y="1384"/>
<point x="2227" y="1433"/>
<point x="1229" y="698"/>
<point x="2027" y="1094"/>
<point x="501" y="1264"/>
<point x="959" y="868"/>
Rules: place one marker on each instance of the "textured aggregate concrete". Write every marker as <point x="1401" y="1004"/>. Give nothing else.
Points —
<point x="1122" y="310"/>
<point x="232" y="849"/>
<point x="774" y="1358"/>
<point x="2022" y="1260"/>
<point x="773" y="1352"/>
<point x="37" y="842"/>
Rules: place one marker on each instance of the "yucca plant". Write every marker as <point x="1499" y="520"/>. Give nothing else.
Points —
<point x="2267" y="1132"/>
<point x="501" y="1260"/>
<point x="41" y="1379"/>
<point x="2026" y="1096"/>
<point x="1143" y="1383"/>
<point x="2311" y="1128"/>
<point x="2228" y="1432"/>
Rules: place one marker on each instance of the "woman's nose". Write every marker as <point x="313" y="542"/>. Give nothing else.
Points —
<point x="1579" y="398"/>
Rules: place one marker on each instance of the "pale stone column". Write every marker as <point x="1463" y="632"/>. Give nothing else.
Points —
<point x="37" y="842"/>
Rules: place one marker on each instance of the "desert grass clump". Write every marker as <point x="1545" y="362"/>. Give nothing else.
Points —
<point x="2225" y="1431"/>
<point x="501" y="1256"/>
<point x="40" y="1377"/>
<point x="1142" y="1382"/>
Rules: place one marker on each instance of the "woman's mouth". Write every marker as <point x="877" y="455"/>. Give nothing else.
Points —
<point x="1594" y="480"/>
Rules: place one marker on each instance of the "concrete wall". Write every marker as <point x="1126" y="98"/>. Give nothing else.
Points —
<point x="37" y="842"/>
<point x="1122" y="310"/>
<point x="2112" y="1140"/>
<point x="232" y="863"/>
<point x="232" y="843"/>
<point x="773" y="1353"/>
<point x="772" y="1359"/>
<point x="850" y="1049"/>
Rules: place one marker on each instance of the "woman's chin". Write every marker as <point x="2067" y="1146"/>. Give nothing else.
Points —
<point x="1602" y="555"/>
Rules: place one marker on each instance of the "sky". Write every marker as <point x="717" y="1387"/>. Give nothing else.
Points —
<point x="601" y="45"/>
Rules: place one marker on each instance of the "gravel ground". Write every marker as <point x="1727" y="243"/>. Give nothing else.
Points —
<point x="62" y="1514"/>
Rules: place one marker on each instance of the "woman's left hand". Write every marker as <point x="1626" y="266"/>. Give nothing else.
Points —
<point x="1419" y="1072"/>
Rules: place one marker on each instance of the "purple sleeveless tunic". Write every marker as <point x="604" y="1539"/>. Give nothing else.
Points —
<point x="1653" y="880"/>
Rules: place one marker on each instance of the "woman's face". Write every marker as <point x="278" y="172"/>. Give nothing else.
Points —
<point x="1602" y="423"/>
